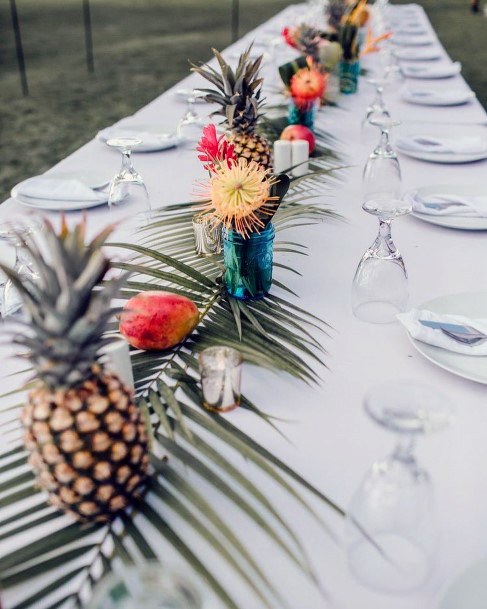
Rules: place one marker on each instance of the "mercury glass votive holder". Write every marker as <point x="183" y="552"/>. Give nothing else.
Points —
<point x="221" y="374"/>
<point x="151" y="585"/>
<point x="207" y="235"/>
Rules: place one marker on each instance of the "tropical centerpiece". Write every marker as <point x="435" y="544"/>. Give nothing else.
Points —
<point x="241" y="196"/>
<point x="239" y="95"/>
<point x="307" y="88"/>
<point x="348" y="36"/>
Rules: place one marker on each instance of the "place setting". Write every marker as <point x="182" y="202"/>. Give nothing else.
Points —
<point x="444" y="96"/>
<point x="431" y="72"/>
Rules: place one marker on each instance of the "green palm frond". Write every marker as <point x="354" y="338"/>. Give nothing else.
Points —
<point x="67" y="558"/>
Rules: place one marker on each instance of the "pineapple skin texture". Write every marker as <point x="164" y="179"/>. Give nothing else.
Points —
<point x="88" y="446"/>
<point x="253" y="147"/>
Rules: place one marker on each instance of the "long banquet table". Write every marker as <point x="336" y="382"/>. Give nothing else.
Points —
<point x="331" y="441"/>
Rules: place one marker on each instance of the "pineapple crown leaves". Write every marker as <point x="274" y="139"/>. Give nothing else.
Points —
<point x="69" y="311"/>
<point x="237" y="92"/>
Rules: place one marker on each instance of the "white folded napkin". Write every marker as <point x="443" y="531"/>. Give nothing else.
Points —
<point x="448" y="205"/>
<point x="58" y="189"/>
<point x="433" y="71"/>
<point x="442" y="97"/>
<point x="151" y="141"/>
<point x="437" y="144"/>
<point x="410" y="321"/>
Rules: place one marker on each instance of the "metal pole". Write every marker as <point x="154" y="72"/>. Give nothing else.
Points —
<point x="19" y="48"/>
<point x="90" y="59"/>
<point x="235" y="19"/>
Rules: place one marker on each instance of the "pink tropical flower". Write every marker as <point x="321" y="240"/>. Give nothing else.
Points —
<point x="215" y="150"/>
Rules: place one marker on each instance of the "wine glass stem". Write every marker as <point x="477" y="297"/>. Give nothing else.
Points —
<point x="126" y="160"/>
<point x="384" y="140"/>
<point x="404" y="450"/>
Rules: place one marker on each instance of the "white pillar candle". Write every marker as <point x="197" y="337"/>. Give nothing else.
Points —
<point x="116" y="356"/>
<point x="282" y="156"/>
<point x="299" y="156"/>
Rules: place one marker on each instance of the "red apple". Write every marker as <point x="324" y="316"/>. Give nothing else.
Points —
<point x="157" y="320"/>
<point x="299" y="132"/>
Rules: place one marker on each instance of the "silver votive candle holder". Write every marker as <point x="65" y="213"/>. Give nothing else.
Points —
<point x="207" y="235"/>
<point x="221" y="374"/>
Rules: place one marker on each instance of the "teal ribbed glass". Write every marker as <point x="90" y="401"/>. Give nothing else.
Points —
<point x="349" y="74"/>
<point x="302" y="116"/>
<point x="248" y="263"/>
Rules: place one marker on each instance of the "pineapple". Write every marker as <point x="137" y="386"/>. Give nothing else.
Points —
<point x="86" y="438"/>
<point x="239" y="95"/>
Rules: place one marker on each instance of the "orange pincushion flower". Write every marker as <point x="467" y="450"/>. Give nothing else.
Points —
<point x="238" y="191"/>
<point x="307" y="85"/>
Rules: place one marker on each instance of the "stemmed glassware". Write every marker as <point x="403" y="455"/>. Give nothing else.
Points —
<point x="15" y="232"/>
<point x="128" y="187"/>
<point x="382" y="172"/>
<point x="380" y="288"/>
<point x="391" y="526"/>
<point x="190" y="126"/>
<point x="380" y="285"/>
<point x="377" y="109"/>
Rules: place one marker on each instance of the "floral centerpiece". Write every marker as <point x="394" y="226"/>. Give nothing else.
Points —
<point x="241" y="196"/>
<point x="307" y="88"/>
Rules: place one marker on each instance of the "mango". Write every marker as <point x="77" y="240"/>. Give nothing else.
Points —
<point x="157" y="320"/>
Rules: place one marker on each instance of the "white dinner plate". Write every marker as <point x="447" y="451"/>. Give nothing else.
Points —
<point x="473" y="368"/>
<point x="413" y="41"/>
<point x="450" y="97"/>
<point x="91" y="177"/>
<point x="442" y="157"/>
<point x="432" y="71"/>
<point x="468" y="591"/>
<point x="406" y="54"/>
<point x="456" y="222"/>
<point x="159" y="140"/>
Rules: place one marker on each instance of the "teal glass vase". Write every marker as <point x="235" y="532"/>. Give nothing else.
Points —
<point x="349" y="75"/>
<point x="302" y="115"/>
<point x="248" y="263"/>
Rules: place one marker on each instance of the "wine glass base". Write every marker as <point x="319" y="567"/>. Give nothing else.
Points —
<point x="377" y="312"/>
<point x="403" y="567"/>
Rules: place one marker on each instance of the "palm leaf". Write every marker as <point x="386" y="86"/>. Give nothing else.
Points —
<point x="273" y="333"/>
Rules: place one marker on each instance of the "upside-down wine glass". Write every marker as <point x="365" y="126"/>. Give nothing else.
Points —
<point x="377" y="108"/>
<point x="380" y="285"/>
<point x="382" y="172"/>
<point x="190" y="126"/>
<point x="15" y="232"/>
<point x="391" y="526"/>
<point x="127" y="187"/>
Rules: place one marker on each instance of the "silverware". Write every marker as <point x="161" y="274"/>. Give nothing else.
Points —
<point x="471" y="341"/>
<point x="467" y="335"/>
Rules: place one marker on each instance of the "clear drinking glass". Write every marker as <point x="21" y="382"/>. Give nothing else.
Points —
<point x="190" y="126"/>
<point x="15" y="232"/>
<point x="391" y="528"/>
<point x="382" y="172"/>
<point x="380" y="286"/>
<point x="221" y="373"/>
<point x="128" y="187"/>
<point x="377" y="108"/>
<point x="148" y="586"/>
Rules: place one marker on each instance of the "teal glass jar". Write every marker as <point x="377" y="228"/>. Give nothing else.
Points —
<point x="349" y="75"/>
<point x="248" y="263"/>
<point x="302" y="115"/>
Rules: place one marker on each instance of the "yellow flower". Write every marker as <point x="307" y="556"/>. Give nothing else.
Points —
<point x="239" y="193"/>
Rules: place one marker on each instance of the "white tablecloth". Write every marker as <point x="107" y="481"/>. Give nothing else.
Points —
<point x="332" y="442"/>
